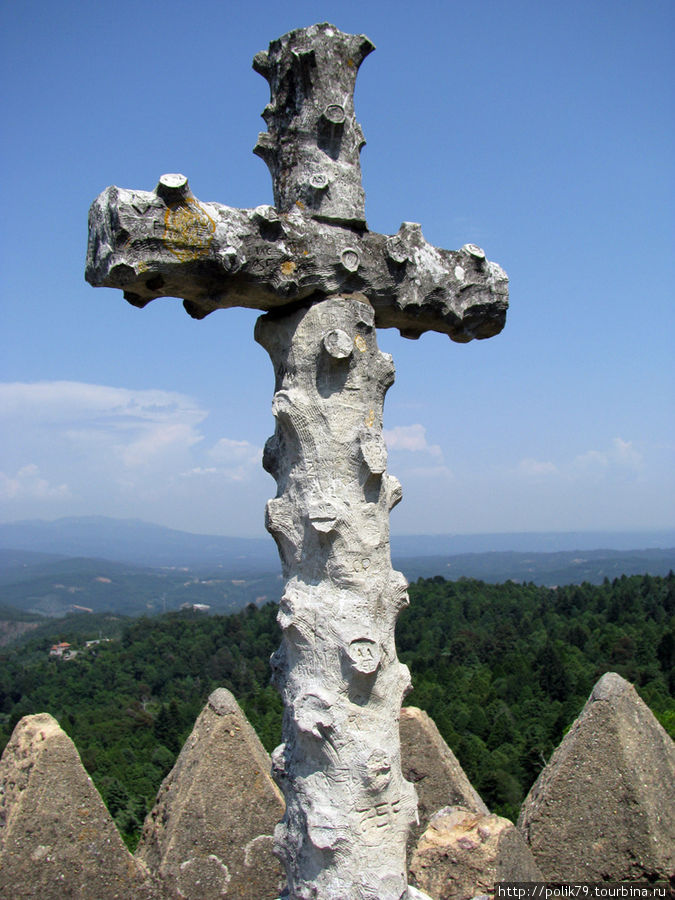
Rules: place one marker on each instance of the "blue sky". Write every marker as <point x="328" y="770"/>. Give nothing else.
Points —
<point x="541" y="131"/>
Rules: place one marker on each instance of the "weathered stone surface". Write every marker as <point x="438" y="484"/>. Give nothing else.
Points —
<point x="428" y="762"/>
<point x="325" y="283"/>
<point x="152" y="245"/>
<point x="313" y="141"/>
<point x="314" y="243"/>
<point x="348" y="807"/>
<point x="57" y="838"/>
<point x="463" y="854"/>
<point x="604" y="806"/>
<point x="209" y="833"/>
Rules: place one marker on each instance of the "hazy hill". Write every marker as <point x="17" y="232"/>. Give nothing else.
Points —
<point x="98" y="565"/>
<point x="141" y="543"/>
<point x="548" y="569"/>
<point x="136" y="542"/>
<point x="72" y="585"/>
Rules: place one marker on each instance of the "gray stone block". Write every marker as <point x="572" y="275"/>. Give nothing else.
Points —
<point x="57" y="838"/>
<point x="604" y="806"/>
<point x="463" y="854"/>
<point x="209" y="834"/>
<point x="428" y="762"/>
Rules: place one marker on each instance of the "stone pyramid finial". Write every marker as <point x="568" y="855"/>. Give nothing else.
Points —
<point x="428" y="762"/>
<point x="210" y="832"/>
<point x="57" y="838"/>
<point x="604" y="806"/>
<point x="313" y="141"/>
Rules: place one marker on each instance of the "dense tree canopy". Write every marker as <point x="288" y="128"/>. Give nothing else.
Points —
<point x="502" y="669"/>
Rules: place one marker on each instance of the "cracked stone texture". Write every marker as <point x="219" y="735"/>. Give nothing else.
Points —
<point x="433" y="768"/>
<point x="57" y="838"/>
<point x="463" y="854"/>
<point x="604" y="806"/>
<point x="209" y="833"/>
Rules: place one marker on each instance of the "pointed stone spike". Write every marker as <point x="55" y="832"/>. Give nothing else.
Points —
<point x="428" y="762"/>
<point x="604" y="806"/>
<point x="463" y="854"/>
<point x="57" y="838"/>
<point x="210" y="832"/>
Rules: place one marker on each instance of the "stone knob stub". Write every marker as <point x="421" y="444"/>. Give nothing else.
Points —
<point x="335" y="114"/>
<point x="476" y="256"/>
<point x="338" y="343"/>
<point x="396" y="249"/>
<point x="319" y="181"/>
<point x="172" y="186"/>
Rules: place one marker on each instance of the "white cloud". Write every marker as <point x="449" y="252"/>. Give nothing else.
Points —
<point x="28" y="483"/>
<point x="236" y="460"/>
<point x="229" y="452"/>
<point x="60" y="401"/>
<point x="536" y="468"/>
<point x="109" y="450"/>
<point x="621" y="458"/>
<point x="412" y="438"/>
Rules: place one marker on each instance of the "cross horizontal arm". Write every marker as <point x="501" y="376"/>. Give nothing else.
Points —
<point x="166" y="243"/>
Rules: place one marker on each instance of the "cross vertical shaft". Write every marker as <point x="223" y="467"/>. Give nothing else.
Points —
<point x="348" y="808"/>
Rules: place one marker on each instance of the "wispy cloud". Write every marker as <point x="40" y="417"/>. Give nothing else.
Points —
<point x="104" y="447"/>
<point x="412" y="438"/>
<point x="417" y="458"/>
<point x="619" y="455"/>
<point x="621" y="458"/>
<point x="235" y="461"/>
<point x="28" y="483"/>
<point x="536" y="468"/>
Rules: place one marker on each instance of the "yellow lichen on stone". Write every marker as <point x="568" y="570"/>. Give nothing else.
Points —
<point x="188" y="230"/>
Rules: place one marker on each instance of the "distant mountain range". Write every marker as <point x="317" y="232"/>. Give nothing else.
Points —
<point x="128" y="567"/>
<point x="135" y="542"/>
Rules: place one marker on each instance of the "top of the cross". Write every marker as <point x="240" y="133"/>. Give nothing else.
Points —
<point x="313" y="140"/>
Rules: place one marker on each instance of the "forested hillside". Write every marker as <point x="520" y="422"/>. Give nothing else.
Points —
<point x="502" y="669"/>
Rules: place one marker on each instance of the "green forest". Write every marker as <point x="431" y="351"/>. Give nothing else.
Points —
<point x="503" y="669"/>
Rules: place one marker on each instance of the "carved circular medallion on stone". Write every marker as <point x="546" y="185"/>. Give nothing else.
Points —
<point x="350" y="259"/>
<point x="364" y="655"/>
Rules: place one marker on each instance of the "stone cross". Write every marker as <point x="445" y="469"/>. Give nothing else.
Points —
<point x="325" y="283"/>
